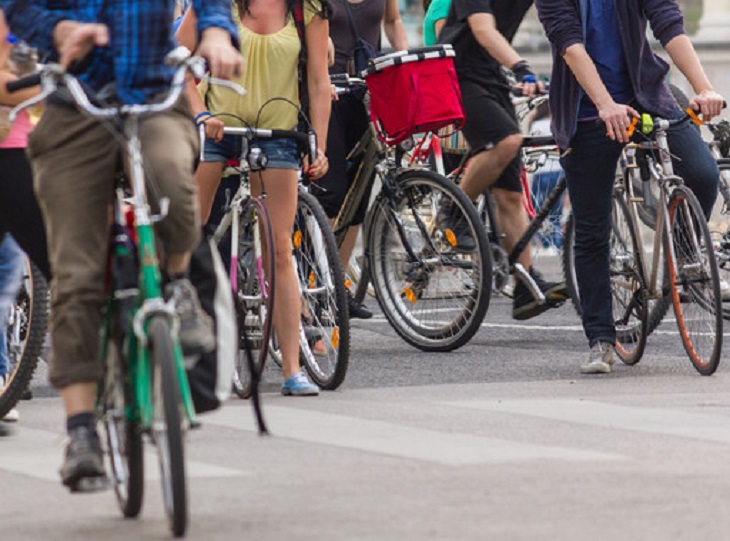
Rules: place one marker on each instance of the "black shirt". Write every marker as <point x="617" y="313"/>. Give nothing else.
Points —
<point x="472" y="61"/>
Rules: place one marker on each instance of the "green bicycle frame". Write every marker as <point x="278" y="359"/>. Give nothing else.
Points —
<point x="148" y="303"/>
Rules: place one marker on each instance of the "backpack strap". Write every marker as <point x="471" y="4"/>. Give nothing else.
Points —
<point x="298" y="14"/>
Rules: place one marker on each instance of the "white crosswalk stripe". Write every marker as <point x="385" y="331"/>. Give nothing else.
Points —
<point x="446" y="448"/>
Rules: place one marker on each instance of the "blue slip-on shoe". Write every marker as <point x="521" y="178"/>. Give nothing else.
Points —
<point x="299" y="385"/>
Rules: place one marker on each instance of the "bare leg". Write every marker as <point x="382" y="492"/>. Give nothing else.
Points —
<point x="79" y="398"/>
<point x="512" y="222"/>
<point x="281" y="201"/>
<point x="208" y="178"/>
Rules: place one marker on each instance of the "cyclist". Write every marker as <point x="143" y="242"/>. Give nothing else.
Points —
<point x="604" y="67"/>
<point x="271" y="48"/>
<point x="349" y="119"/>
<point x="480" y="32"/>
<point x="75" y="159"/>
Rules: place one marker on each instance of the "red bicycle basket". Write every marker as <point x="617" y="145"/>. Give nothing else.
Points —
<point x="413" y="91"/>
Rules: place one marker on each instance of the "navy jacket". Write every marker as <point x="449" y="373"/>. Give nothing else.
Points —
<point x="564" y="27"/>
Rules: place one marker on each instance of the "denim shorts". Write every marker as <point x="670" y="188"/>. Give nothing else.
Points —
<point x="282" y="153"/>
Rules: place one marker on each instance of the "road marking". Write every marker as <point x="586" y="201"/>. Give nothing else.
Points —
<point x="446" y="448"/>
<point x="38" y="454"/>
<point x="662" y="421"/>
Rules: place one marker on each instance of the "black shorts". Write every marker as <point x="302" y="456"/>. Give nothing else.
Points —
<point x="490" y="118"/>
<point x="348" y="122"/>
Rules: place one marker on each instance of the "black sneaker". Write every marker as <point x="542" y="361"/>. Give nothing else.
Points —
<point x="451" y="220"/>
<point x="83" y="466"/>
<point x="525" y="306"/>
<point x="356" y="309"/>
<point x="196" y="332"/>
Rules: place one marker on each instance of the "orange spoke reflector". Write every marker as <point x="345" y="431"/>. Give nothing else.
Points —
<point x="297" y="240"/>
<point x="410" y="295"/>
<point x="311" y="279"/>
<point x="450" y="237"/>
<point x="335" y="337"/>
<point x="348" y="283"/>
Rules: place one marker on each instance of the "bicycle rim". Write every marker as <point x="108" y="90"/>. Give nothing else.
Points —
<point x="254" y="298"/>
<point x="326" y="348"/>
<point x="694" y="281"/>
<point x="123" y="436"/>
<point x="26" y="331"/>
<point x="167" y="425"/>
<point x="627" y="286"/>
<point x="438" y="301"/>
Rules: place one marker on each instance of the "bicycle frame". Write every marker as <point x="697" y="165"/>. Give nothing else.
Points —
<point x="149" y="300"/>
<point x="662" y="174"/>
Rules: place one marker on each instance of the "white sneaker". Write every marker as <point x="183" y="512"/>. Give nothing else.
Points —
<point x="600" y="359"/>
<point x="12" y="416"/>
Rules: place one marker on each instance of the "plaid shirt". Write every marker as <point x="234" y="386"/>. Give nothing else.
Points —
<point x="140" y="37"/>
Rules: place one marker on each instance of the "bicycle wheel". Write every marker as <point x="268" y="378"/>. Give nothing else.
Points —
<point x="547" y="242"/>
<point x="123" y="434"/>
<point x="324" y="298"/>
<point x="656" y="308"/>
<point x="719" y="225"/>
<point x="26" y="330"/>
<point x="694" y="281"/>
<point x="432" y="292"/>
<point x="167" y="425"/>
<point x="254" y="297"/>
<point x="630" y="313"/>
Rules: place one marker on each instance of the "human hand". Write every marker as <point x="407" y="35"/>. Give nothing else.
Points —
<point x="213" y="128"/>
<point x="224" y="60"/>
<point x="616" y="118"/>
<point x="526" y="80"/>
<point x="74" y="40"/>
<point x="708" y="102"/>
<point x="320" y="166"/>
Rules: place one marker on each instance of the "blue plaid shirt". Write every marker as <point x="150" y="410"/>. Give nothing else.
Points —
<point x="140" y="37"/>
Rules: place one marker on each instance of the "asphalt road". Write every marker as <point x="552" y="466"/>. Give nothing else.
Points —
<point x="502" y="439"/>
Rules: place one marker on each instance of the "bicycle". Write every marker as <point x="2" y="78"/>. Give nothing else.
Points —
<point x="683" y="273"/>
<point x="26" y="331"/>
<point x="433" y="293"/>
<point x="253" y="273"/>
<point x="144" y="389"/>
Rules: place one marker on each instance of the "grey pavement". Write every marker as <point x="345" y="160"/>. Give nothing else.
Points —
<point x="500" y="440"/>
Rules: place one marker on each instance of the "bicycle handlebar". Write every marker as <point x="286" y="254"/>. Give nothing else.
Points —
<point x="304" y="140"/>
<point x="53" y="76"/>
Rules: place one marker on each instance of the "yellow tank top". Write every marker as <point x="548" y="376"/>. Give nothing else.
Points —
<point x="270" y="72"/>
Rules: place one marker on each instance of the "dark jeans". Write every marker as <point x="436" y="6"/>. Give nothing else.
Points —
<point x="590" y="168"/>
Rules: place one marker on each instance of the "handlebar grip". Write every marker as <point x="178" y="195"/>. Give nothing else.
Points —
<point x="24" y="82"/>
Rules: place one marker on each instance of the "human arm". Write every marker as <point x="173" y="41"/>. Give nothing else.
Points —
<point x="218" y="41"/>
<point x="318" y="89"/>
<point x="683" y="55"/>
<point x="484" y="28"/>
<point x="393" y="26"/>
<point x="438" y="25"/>
<point x="614" y="115"/>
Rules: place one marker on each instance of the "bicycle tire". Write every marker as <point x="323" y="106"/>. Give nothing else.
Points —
<point x="415" y="296"/>
<point x="254" y="298"/>
<point x="364" y="287"/>
<point x="123" y="435"/>
<point x="719" y="225"/>
<point x="324" y="296"/>
<point x="698" y="306"/>
<point x="657" y="309"/>
<point x="24" y="349"/>
<point x="629" y="305"/>
<point x="167" y="425"/>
